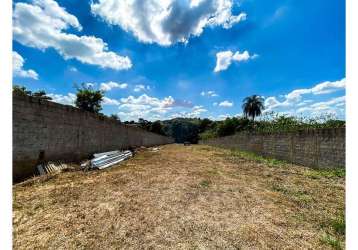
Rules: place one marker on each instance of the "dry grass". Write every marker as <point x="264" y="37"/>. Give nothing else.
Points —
<point x="192" y="197"/>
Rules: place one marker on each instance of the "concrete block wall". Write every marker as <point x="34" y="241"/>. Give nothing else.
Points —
<point x="62" y="132"/>
<point x="321" y="148"/>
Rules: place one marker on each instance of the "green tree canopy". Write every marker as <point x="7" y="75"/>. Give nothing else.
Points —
<point x="253" y="106"/>
<point x="115" y="117"/>
<point x="157" y="127"/>
<point x="89" y="99"/>
<point x="41" y="94"/>
<point x="21" y="90"/>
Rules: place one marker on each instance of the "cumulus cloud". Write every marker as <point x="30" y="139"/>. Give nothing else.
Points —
<point x="17" y="67"/>
<point x="144" y="106"/>
<point x="167" y="22"/>
<point x="225" y="58"/>
<point x="141" y="87"/>
<point x="68" y="99"/>
<point x="210" y="93"/>
<point x="226" y="104"/>
<point x="223" y="116"/>
<point x="295" y="103"/>
<point x="151" y="108"/>
<point x="42" y="25"/>
<point x="195" y="112"/>
<point x="110" y="102"/>
<point x="107" y="86"/>
<point x="334" y="106"/>
<point x="294" y="98"/>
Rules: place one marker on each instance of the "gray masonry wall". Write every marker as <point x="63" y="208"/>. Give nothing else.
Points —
<point x="322" y="148"/>
<point x="63" y="132"/>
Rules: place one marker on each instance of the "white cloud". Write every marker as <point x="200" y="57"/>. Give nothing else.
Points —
<point x="334" y="101"/>
<point x="332" y="106"/>
<point x="169" y="21"/>
<point x="295" y="104"/>
<point x="226" y="104"/>
<point x="107" y="86"/>
<point x="195" y="112"/>
<point x="73" y="69"/>
<point x="303" y="103"/>
<point x="89" y="85"/>
<point x="223" y="116"/>
<point x="17" y="67"/>
<point x="198" y="109"/>
<point x="41" y="25"/>
<point x="68" y="99"/>
<point x="210" y="93"/>
<point x="151" y="108"/>
<point x="109" y="102"/>
<point x="141" y="87"/>
<point x="294" y="97"/>
<point x="144" y="106"/>
<point x="225" y="58"/>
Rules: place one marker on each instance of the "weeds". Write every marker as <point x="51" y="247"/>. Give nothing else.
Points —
<point x="136" y="204"/>
<point x="331" y="241"/>
<point x="335" y="232"/>
<point x="301" y="197"/>
<point x="258" y="158"/>
<point x="204" y="183"/>
<point x="326" y="173"/>
<point x="339" y="225"/>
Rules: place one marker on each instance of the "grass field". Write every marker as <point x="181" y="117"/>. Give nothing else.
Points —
<point x="183" y="197"/>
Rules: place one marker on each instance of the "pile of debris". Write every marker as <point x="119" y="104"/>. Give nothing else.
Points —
<point x="52" y="167"/>
<point x="106" y="159"/>
<point x="100" y="161"/>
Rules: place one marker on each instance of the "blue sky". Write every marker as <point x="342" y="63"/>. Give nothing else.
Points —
<point x="200" y="58"/>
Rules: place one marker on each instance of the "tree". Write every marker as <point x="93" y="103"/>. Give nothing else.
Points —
<point x="144" y="124"/>
<point x="115" y="117"/>
<point x="253" y="106"/>
<point x="21" y="90"/>
<point x="42" y="95"/>
<point x="182" y="130"/>
<point x="204" y="124"/>
<point x="227" y="127"/>
<point x="156" y="127"/>
<point x="89" y="99"/>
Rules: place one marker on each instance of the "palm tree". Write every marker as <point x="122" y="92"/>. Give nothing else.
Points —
<point x="252" y="106"/>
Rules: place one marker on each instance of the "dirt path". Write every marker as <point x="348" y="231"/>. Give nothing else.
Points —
<point x="181" y="197"/>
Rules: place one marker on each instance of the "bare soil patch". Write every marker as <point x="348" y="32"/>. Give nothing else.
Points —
<point x="182" y="197"/>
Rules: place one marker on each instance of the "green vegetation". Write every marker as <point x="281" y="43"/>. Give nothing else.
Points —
<point x="271" y="122"/>
<point x="253" y="106"/>
<point x="182" y="129"/>
<point x="195" y="129"/>
<point x="331" y="241"/>
<point x="21" y="90"/>
<point x="255" y="157"/>
<point x="154" y="127"/>
<point x="335" y="230"/>
<point x="327" y="173"/>
<point x="115" y="117"/>
<point x="204" y="183"/>
<point x="89" y="99"/>
<point x="338" y="224"/>
<point x="298" y="196"/>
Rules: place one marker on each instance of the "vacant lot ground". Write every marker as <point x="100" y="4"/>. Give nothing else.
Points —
<point x="183" y="197"/>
